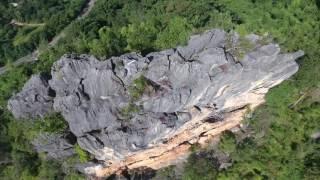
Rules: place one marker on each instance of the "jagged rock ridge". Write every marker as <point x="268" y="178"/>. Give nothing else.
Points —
<point x="124" y="105"/>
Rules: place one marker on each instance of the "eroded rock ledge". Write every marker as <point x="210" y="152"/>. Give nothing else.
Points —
<point x="133" y="111"/>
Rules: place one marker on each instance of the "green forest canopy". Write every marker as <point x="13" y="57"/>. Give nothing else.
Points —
<point x="280" y="146"/>
<point x="17" y="41"/>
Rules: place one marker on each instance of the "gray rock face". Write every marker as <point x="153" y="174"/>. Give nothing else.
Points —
<point x="56" y="146"/>
<point x="35" y="99"/>
<point x="99" y="98"/>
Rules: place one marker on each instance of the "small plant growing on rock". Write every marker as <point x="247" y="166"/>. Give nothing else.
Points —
<point x="83" y="155"/>
<point x="264" y="40"/>
<point x="137" y="88"/>
<point x="237" y="47"/>
<point x="128" y="110"/>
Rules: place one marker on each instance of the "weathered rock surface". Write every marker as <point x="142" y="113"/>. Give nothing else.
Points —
<point x="198" y="85"/>
<point x="56" y="146"/>
<point x="35" y="99"/>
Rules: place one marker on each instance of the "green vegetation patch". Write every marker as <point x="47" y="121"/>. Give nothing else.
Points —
<point x="166" y="173"/>
<point x="201" y="167"/>
<point x="128" y="110"/>
<point x="227" y="142"/>
<point x="37" y="21"/>
<point x="83" y="155"/>
<point x="138" y="87"/>
<point x="280" y="146"/>
<point x="177" y="32"/>
<point x="238" y="48"/>
<point x="30" y="129"/>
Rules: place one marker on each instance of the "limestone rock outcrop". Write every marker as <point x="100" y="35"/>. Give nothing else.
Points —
<point x="127" y="106"/>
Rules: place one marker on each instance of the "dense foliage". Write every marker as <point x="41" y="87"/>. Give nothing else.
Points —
<point x="280" y="145"/>
<point x="43" y="20"/>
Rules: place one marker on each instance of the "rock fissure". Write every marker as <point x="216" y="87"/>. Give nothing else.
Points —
<point x="115" y="74"/>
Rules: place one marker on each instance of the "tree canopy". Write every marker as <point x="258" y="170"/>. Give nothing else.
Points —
<point x="281" y="146"/>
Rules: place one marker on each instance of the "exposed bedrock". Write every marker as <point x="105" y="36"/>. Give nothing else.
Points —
<point x="56" y="146"/>
<point x="127" y="104"/>
<point x="35" y="99"/>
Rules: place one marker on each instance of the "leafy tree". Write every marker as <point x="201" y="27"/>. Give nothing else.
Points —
<point x="178" y="30"/>
<point x="201" y="167"/>
<point x="17" y="41"/>
<point x="140" y="37"/>
<point x="312" y="164"/>
<point x="109" y="43"/>
<point x="50" y="170"/>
